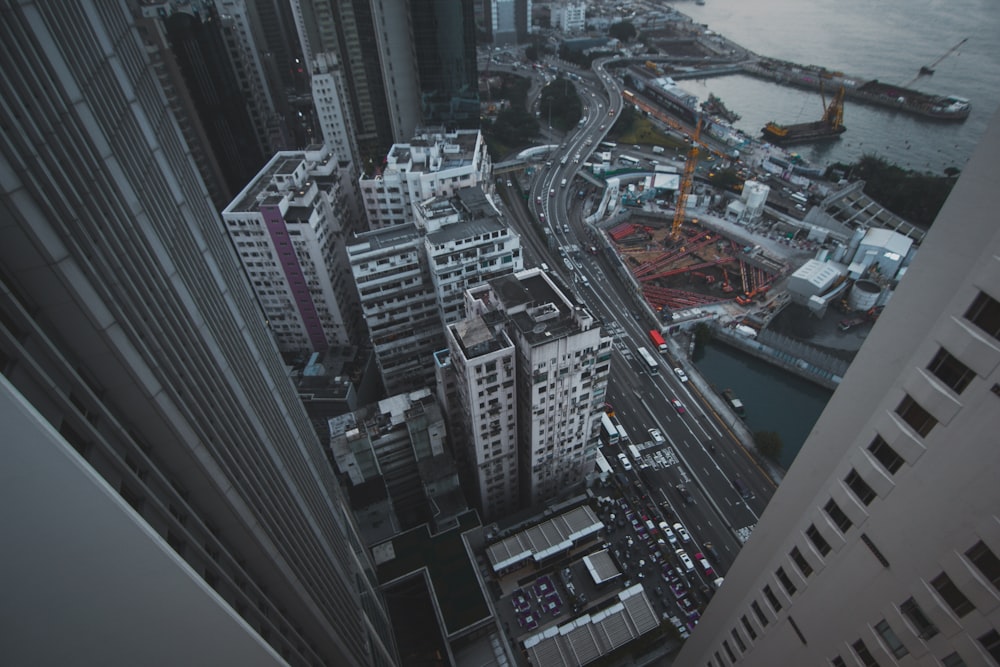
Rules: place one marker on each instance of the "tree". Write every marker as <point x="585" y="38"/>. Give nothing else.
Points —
<point x="561" y="103"/>
<point x="623" y="31"/>
<point x="768" y="443"/>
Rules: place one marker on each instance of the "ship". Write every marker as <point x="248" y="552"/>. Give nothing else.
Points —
<point x="830" y="126"/>
<point x="735" y="403"/>
<point x="902" y="98"/>
<point x="716" y="107"/>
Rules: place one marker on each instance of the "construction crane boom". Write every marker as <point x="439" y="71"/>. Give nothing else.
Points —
<point x="927" y="70"/>
<point x="685" y="186"/>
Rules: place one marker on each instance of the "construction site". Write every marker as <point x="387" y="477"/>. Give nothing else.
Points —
<point x="696" y="267"/>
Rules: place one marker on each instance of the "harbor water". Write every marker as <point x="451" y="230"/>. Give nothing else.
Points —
<point x="888" y="40"/>
<point x="774" y="400"/>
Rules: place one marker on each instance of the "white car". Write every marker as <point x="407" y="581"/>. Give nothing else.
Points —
<point x="681" y="375"/>
<point x="657" y="437"/>
<point x="669" y="534"/>
<point x="688" y="563"/>
<point x="626" y="464"/>
<point x="682" y="532"/>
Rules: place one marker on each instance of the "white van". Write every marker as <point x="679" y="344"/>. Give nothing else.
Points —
<point x="562" y="183"/>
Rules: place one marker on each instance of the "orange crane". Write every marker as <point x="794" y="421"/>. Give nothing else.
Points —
<point x="685" y="186"/>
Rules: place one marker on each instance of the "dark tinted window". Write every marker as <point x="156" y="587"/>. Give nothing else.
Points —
<point x="800" y="562"/>
<point x="914" y="415"/>
<point x="949" y="592"/>
<point x="885" y="454"/>
<point x="822" y="546"/>
<point x="987" y="562"/>
<point x="860" y="487"/>
<point x="951" y="371"/>
<point x="837" y="515"/>
<point x="925" y="629"/>
<point x="985" y="314"/>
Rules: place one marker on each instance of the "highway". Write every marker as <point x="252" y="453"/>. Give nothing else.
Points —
<point x="700" y="452"/>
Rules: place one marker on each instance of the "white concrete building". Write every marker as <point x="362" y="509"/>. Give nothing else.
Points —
<point x="286" y="226"/>
<point x="411" y="279"/>
<point x="430" y="165"/>
<point x="569" y="16"/>
<point x="563" y="361"/>
<point x="881" y="545"/>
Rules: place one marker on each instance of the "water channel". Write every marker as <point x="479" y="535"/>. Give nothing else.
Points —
<point x="774" y="400"/>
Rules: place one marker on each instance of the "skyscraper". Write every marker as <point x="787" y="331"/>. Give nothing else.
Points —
<point x="881" y="544"/>
<point x="531" y="368"/>
<point x="166" y="495"/>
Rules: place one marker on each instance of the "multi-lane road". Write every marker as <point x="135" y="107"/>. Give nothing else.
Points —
<point x="699" y="453"/>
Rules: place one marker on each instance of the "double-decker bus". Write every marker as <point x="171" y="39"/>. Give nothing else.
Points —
<point x="657" y="338"/>
<point x="649" y="361"/>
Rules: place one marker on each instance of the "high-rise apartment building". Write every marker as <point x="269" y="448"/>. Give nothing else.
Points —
<point x="165" y="493"/>
<point x="569" y="16"/>
<point x="288" y="227"/>
<point x="430" y="165"/>
<point x="509" y="21"/>
<point x="411" y="279"/>
<point x="444" y="41"/>
<point x="882" y="543"/>
<point x="208" y="63"/>
<point x="528" y="343"/>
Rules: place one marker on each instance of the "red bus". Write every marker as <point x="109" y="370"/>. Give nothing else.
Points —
<point x="657" y="338"/>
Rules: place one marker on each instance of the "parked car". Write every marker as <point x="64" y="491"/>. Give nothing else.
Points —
<point x="685" y="559"/>
<point x="682" y="533"/>
<point x="709" y="572"/>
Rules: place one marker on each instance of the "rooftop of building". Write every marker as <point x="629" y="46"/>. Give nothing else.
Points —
<point x="264" y="190"/>
<point x="466" y="229"/>
<point x="384" y="238"/>
<point x="447" y="562"/>
<point x="538" y="308"/>
<point x="477" y="338"/>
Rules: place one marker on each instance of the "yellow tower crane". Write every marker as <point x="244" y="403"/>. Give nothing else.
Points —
<point x="686" y="180"/>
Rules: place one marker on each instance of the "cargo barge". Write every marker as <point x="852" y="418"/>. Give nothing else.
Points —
<point x="716" y="107"/>
<point x="830" y="126"/>
<point x="942" y="107"/>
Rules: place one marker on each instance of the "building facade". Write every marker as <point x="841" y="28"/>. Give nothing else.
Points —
<point x="431" y="165"/>
<point x="561" y="362"/>
<point x="288" y="227"/>
<point x="163" y="476"/>
<point x="509" y="21"/>
<point x="569" y="16"/>
<point x="411" y="279"/>
<point x="882" y="543"/>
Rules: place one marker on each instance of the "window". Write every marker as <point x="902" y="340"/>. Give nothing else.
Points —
<point x="987" y="562"/>
<point x="991" y="642"/>
<point x="949" y="592"/>
<point x="822" y="546"/>
<point x="951" y="371"/>
<point x="925" y="629"/>
<point x="738" y="640"/>
<point x="772" y="598"/>
<point x="914" y="415"/>
<point x="800" y="562"/>
<point x="749" y="628"/>
<point x="953" y="660"/>
<point x="798" y="633"/>
<point x="785" y="580"/>
<point x="863" y="654"/>
<point x="985" y="314"/>
<point x="838" y="662"/>
<point x="860" y="487"/>
<point x="885" y="454"/>
<point x="760" y="613"/>
<point x="875" y="550"/>
<point x="838" y="516"/>
<point x="729" y="651"/>
<point x="891" y="640"/>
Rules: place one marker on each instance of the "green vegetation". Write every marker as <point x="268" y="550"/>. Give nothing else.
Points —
<point x="622" y="31"/>
<point x="560" y="103"/>
<point x="514" y="127"/>
<point x="631" y="127"/>
<point x="768" y="443"/>
<point x="914" y="196"/>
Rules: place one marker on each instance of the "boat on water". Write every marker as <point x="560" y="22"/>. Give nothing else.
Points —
<point x="716" y="107"/>
<point x="830" y="126"/>
<point x="735" y="403"/>
<point x="942" y="107"/>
